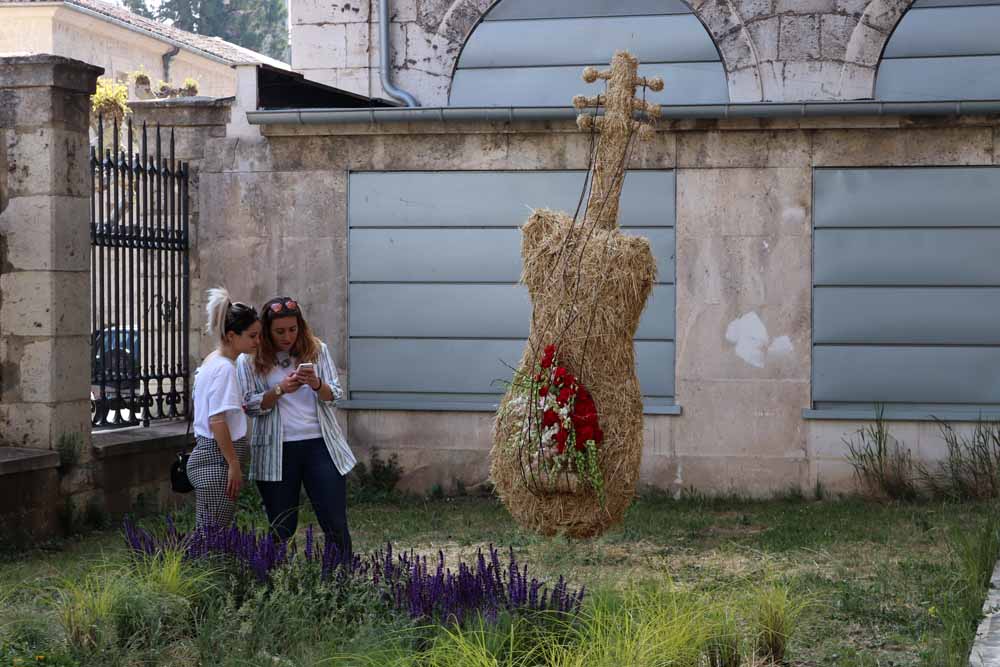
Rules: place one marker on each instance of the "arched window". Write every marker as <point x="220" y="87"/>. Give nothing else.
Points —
<point x="527" y="53"/>
<point x="943" y="50"/>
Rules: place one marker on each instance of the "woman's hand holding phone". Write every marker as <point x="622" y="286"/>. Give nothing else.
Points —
<point x="306" y="374"/>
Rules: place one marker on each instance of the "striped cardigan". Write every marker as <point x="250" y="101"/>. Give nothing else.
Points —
<point x="266" y="435"/>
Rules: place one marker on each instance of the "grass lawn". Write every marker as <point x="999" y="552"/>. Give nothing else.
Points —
<point x="881" y="577"/>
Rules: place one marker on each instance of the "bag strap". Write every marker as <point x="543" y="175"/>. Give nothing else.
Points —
<point x="189" y="409"/>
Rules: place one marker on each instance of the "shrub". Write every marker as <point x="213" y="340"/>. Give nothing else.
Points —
<point x="140" y="77"/>
<point x="412" y="585"/>
<point x="774" y="613"/>
<point x="141" y="605"/>
<point x="110" y="101"/>
<point x="883" y="466"/>
<point x="376" y="481"/>
<point x="971" y="470"/>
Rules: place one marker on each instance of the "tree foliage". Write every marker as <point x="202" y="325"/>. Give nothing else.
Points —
<point x="260" y="25"/>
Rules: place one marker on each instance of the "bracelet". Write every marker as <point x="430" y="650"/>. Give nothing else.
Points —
<point x="319" y="388"/>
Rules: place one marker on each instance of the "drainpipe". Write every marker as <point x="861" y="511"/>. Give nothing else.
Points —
<point x="167" y="57"/>
<point x="385" y="62"/>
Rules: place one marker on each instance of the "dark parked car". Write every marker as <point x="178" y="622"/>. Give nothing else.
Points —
<point x="115" y="366"/>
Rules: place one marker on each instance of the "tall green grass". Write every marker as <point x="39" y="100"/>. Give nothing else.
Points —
<point x="137" y="607"/>
<point x="975" y="553"/>
<point x="648" y="626"/>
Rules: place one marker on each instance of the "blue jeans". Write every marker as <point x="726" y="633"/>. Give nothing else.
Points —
<point x="308" y="462"/>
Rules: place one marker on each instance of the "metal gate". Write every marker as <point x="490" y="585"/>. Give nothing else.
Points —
<point x="140" y="279"/>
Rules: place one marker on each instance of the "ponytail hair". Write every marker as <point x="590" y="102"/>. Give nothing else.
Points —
<point x="224" y="316"/>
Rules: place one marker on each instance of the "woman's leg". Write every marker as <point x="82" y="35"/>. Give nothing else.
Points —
<point x="208" y="473"/>
<point x="281" y="499"/>
<point x="327" y="490"/>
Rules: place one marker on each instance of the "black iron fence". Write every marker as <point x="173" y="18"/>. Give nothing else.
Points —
<point x="140" y="279"/>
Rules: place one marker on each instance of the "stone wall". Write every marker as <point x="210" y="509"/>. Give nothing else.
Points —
<point x="773" y="50"/>
<point x="45" y="281"/>
<point x="744" y="226"/>
<point x="53" y="472"/>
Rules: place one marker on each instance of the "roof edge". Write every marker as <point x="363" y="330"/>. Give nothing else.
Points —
<point x="671" y="112"/>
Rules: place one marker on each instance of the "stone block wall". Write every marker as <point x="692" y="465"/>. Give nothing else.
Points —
<point x="744" y="245"/>
<point x="772" y="50"/>
<point x="45" y="268"/>
<point x="53" y="473"/>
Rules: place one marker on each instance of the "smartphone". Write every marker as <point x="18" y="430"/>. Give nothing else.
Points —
<point x="303" y="367"/>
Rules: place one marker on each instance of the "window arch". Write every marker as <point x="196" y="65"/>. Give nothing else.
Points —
<point x="943" y="50"/>
<point x="527" y="53"/>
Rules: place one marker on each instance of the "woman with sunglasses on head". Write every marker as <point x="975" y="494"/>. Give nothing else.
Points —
<point x="290" y="386"/>
<point x="220" y="426"/>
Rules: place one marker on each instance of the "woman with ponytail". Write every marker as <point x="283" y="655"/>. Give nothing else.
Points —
<point x="220" y="426"/>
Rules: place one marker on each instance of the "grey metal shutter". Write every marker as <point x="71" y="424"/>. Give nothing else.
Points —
<point x="906" y="289"/>
<point x="943" y="50"/>
<point x="435" y="314"/>
<point x="530" y="53"/>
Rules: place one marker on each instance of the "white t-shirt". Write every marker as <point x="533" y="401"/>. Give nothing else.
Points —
<point x="217" y="391"/>
<point x="299" y="411"/>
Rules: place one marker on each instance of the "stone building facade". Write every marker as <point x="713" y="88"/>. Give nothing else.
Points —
<point x="773" y="50"/>
<point x="826" y="233"/>
<point x="750" y="400"/>
<point x="113" y="38"/>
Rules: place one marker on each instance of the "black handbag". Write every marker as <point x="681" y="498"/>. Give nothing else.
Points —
<point x="179" y="481"/>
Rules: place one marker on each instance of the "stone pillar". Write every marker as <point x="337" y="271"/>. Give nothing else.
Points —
<point x="743" y="310"/>
<point x="44" y="249"/>
<point x="195" y="122"/>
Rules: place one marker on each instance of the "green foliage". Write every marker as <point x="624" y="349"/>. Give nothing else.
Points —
<point x="774" y="614"/>
<point x="135" y="608"/>
<point x="110" y="101"/>
<point x="139" y="7"/>
<point x="260" y="25"/>
<point x="971" y="470"/>
<point x="140" y="77"/>
<point x="190" y="87"/>
<point x="724" y="647"/>
<point x="883" y="466"/>
<point x="974" y="554"/>
<point x="375" y="481"/>
<point x="283" y="613"/>
<point x="70" y="447"/>
<point x="889" y="583"/>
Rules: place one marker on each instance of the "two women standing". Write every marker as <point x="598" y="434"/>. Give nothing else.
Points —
<point x="287" y="384"/>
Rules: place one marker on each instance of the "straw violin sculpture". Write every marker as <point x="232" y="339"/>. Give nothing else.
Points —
<point x="567" y="439"/>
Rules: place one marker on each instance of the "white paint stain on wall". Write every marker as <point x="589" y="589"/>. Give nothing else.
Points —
<point x="780" y="346"/>
<point x="749" y="337"/>
<point x="751" y="342"/>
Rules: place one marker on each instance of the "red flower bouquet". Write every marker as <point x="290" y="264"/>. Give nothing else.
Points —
<point x="559" y="427"/>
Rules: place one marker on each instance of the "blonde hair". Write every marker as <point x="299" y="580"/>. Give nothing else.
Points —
<point x="224" y="316"/>
<point x="216" y="311"/>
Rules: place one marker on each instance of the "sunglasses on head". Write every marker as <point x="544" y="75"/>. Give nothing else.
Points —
<point x="286" y="305"/>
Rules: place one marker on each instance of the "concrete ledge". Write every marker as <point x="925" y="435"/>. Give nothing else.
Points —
<point x="140" y="440"/>
<point x="986" y="647"/>
<point x="15" y="460"/>
<point x="43" y="69"/>
<point x="899" y="414"/>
